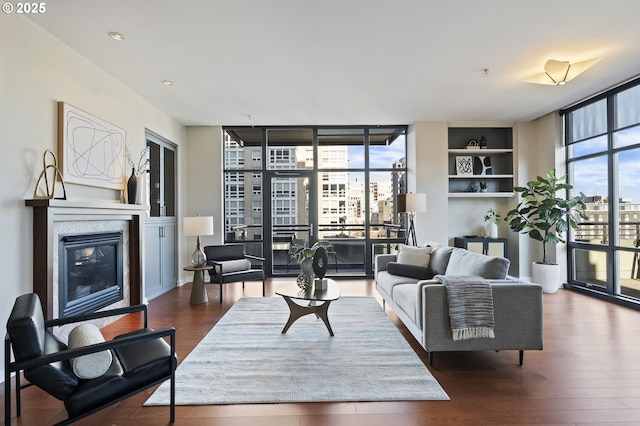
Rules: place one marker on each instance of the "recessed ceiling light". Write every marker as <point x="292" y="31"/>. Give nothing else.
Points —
<point x="167" y="82"/>
<point x="116" y="36"/>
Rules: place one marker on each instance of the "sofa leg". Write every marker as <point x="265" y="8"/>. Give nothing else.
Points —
<point x="430" y="358"/>
<point x="264" y="290"/>
<point x="521" y="357"/>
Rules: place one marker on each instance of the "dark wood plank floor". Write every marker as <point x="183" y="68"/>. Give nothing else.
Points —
<point x="587" y="374"/>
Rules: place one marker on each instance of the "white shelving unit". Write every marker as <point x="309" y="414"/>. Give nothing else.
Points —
<point x="499" y="149"/>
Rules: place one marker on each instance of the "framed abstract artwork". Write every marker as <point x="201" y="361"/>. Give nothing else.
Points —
<point x="93" y="151"/>
<point x="464" y="165"/>
<point x="482" y="165"/>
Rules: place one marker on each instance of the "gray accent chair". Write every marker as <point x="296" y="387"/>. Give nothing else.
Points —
<point x="421" y="302"/>
<point x="231" y="265"/>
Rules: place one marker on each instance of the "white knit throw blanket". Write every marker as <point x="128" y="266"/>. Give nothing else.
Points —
<point x="470" y="306"/>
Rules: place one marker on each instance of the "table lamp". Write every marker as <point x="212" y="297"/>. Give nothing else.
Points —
<point x="195" y="227"/>
<point x="411" y="204"/>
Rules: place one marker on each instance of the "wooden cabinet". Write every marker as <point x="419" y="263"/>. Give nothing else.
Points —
<point x="491" y="164"/>
<point x="488" y="246"/>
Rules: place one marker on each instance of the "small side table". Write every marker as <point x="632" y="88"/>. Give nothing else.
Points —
<point x="198" y="292"/>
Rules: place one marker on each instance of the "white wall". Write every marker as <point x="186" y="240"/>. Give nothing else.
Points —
<point x="540" y="149"/>
<point x="37" y="71"/>
<point x="426" y="144"/>
<point x="537" y="148"/>
<point x="205" y="185"/>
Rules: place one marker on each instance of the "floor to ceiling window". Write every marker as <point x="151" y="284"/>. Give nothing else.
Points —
<point x="602" y="136"/>
<point x="317" y="182"/>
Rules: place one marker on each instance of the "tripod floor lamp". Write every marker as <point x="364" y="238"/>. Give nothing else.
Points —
<point x="411" y="204"/>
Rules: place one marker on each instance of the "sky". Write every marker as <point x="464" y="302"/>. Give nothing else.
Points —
<point x="590" y="175"/>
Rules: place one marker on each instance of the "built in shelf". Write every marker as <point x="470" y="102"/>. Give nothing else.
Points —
<point x="497" y="159"/>
<point x="481" y="194"/>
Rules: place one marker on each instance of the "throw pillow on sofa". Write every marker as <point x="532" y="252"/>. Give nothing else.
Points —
<point x="466" y="263"/>
<point x="416" y="256"/>
<point x="411" y="271"/>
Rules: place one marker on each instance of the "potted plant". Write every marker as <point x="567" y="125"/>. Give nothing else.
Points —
<point x="483" y="186"/>
<point x="493" y="218"/>
<point x="304" y="255"/>
<point x="545" y="217"/>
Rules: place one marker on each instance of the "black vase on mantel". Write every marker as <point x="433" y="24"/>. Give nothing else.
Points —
<point x="132" y="187"/>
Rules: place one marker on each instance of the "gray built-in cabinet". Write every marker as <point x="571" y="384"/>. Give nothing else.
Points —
<point x="491" y="163"/>
<point x="160" y="225"/>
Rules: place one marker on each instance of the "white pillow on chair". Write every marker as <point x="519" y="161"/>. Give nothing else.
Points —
<point x="92" y="365"/>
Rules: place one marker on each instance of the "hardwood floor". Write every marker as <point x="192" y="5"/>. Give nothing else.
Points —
<point x="587" y="374"/>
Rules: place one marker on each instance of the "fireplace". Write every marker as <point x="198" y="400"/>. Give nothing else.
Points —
<point x="56" y="219"/>
<point x="90" y="272"/>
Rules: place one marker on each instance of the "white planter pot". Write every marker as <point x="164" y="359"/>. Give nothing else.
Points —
<point x="548" y="276"/>
<point x="492" y="230"/>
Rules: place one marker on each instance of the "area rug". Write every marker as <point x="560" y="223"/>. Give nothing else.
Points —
<point x="246" y="359"/>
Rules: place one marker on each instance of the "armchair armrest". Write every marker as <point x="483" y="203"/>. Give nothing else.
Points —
<point x="98" y="347"/>
<point x="250" y="256"/>
<point x="100" y="314"/>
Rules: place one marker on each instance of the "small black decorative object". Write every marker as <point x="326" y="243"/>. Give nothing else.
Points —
<point x="483" y="142"/>
<point x="132" y="187"/>
<point x="320" y="262"/>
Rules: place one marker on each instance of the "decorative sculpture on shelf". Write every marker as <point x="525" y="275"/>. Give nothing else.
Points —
<point x="57" y="176"/>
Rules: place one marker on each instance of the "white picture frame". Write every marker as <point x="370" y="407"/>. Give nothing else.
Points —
<point x="92" y="151"/>
<point x="464" y="165"/>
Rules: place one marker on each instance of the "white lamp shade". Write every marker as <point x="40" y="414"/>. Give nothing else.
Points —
<point x="198" y="225"/>
<point x="415" y="203"/>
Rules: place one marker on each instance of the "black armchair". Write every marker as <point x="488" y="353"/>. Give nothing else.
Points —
<point x="140" y="360"/>
<point x="231" y="265"/>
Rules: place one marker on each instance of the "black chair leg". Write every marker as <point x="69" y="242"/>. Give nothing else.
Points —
<point x="220" y="292"/>
<point x="521" y="356"/>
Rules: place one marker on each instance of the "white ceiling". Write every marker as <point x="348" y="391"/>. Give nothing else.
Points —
<point x="299" y="62"/>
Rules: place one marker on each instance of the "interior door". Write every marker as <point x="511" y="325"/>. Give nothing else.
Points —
<point x="291" y="199"/>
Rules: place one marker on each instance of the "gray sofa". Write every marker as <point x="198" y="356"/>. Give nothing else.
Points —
<point x="421" y="302"/>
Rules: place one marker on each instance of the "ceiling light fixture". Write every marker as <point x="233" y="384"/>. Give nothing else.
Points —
<point x="558" y="73"/>
<point x="167" y="82"/>
<point x="116" y="36"/>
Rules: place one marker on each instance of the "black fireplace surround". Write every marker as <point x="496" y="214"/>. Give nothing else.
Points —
<point x="90" y="268"/>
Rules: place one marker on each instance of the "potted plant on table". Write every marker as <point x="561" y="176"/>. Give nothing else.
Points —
<point x="304" y="256"/>
<point x="545" y="217"/>
<point x="493" y="218"/>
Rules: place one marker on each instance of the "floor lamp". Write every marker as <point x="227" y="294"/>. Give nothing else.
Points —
<point x="411" y="204"/>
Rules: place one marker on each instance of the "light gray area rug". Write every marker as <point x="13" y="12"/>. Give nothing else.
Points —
<point x="246" y="359"/>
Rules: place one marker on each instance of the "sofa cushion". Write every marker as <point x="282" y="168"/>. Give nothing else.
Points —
<point x="439" y="259"/>
<point x="417" y="256"/>
<point x="405" y="270"/>
<point x="92" y="365"/>
<point x="386" y="282"/>
<point x="465" y="263"/>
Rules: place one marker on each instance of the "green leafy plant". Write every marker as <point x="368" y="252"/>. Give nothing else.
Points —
<point x="542" y="214"/>
<point x="492" y="216"/>
<point x="302" y="252"/>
